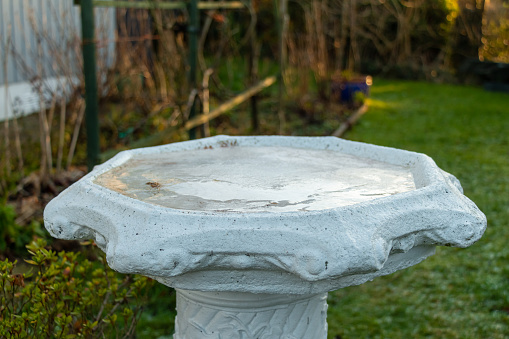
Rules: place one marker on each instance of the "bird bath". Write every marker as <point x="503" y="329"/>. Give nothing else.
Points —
<point x="252" y="232"/>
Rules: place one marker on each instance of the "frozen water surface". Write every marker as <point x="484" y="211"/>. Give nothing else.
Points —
<point x="255" y="179"/>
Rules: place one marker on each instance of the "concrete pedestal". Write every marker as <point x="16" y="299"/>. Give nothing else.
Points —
<point x="254" y="231"/>
<point x="239" y="315"/>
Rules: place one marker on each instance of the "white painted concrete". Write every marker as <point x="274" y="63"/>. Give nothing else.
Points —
<point x="247" y="315"/>
<point x="386" y="210"/>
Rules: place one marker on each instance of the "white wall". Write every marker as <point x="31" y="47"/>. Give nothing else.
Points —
<point x="57" y="25"/>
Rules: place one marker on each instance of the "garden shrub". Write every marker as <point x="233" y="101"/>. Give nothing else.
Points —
<point x="66" y="296"/>
<point x="13" y="237"/>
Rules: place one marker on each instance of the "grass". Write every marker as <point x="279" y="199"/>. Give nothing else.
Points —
<point x="458" y="293"/>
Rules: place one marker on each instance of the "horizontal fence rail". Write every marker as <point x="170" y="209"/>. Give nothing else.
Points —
<point x="165" y="4"/>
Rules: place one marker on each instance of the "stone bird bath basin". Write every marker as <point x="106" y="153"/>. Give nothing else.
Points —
<point x="252" y="232"/>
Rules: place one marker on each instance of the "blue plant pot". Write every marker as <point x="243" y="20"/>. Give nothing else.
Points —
<point x="346" y="90"/>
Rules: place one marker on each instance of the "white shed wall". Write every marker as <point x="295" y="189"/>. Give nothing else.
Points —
<point x="57" y="25"/>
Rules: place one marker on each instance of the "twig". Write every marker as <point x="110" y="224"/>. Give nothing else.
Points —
<point x="251" y="30"/>
<point x="230" y="103"/>
<point x="52" y="108"/>
<point x="162" y="81"/>
<point x="345" y="126"/>
<point x="203" y="36"/>
<point x="205" y="99"/>
<point x="105" y="301"/>
<point x="6" y="122"/>
<point x="42" y="118"/>
<point x="17" y="136"/>
<point x="190" y="101"/>
<point x="130" y="332"/>
<point x="76" y="132"/>
<point x="112" y="311"/>
<point x="61" y="134"/>
<point x="45" y="137"/>
<point x="17" y="140"/>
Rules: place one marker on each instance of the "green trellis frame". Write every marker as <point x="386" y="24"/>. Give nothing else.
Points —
<point x="88" y="28"/>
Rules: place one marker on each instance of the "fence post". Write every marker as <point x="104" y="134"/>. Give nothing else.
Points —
<point x="91" y="100"/>
<point x="193" y="30"/>
<point x="281" y="10"/>
<point x="253" y="68"/>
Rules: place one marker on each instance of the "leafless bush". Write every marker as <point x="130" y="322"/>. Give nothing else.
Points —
<point x="151" y="57"/>
<point x="348" y="35"/>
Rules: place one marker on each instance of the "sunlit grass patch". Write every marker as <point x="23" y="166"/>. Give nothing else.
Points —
<point x="458" y="293"/>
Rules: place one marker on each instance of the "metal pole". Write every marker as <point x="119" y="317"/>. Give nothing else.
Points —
<point x="253" y="70"/>
<point x="281" y="15"/>
<point x="91" y="100"/>
<point x="193" y="30"/>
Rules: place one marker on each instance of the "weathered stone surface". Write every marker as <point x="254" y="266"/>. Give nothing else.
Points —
<point x="324" y="213"/>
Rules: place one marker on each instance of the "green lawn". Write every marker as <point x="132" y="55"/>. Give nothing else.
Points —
<point x="458" y="293"/>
